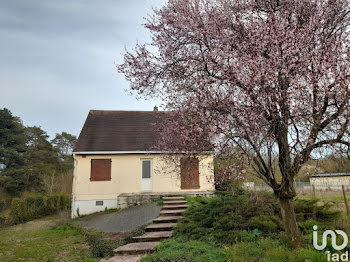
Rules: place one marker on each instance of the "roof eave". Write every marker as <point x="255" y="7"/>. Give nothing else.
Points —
<point x="134" y="152"/>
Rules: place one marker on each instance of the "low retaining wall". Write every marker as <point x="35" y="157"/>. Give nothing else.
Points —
<point x="86" y="207"/>
<point x="127" y="200"/>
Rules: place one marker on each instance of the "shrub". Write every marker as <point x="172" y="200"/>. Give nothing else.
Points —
<point x="248" y="236"/>
<point x="39" y="207"/>
<point x="36" y="206"/>
<point x="222" y="218"/>
<point x="178" y="259"/>
<point x="266" y="223"/>
<point x="2" y="204"/>
<point x="3" y="221"/>
<point x="99" y="247"/>
<point x="61" y="201"/>
<point x="52" y="204"/>
<point x="102" y="248"/>
<point x="18" y="213"/>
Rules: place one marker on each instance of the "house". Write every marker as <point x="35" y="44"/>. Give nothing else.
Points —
<point x="115" y="164"/>
<point x="331" y="181"/>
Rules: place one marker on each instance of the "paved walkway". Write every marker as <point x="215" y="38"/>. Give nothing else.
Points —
<point x="161" y="229"/>
<point x="122" y="221"/>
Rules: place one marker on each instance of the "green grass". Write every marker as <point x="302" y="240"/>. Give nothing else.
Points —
<point x="160" y="202"/>
<point x="335" y="198"/>
<point x="39" y="241"/>
<point x="270" y="250"/>
<point x="178" y="249"/>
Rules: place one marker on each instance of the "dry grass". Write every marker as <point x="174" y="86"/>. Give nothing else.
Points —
<point x="43" y="240"/>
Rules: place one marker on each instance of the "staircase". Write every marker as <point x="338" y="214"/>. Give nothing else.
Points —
<point x="160" y="229"/>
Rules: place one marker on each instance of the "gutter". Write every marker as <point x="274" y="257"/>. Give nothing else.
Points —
<point x="133" y="152"/>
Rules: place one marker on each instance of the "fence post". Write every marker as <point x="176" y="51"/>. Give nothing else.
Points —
<point x="345" y="200"/>
<point x="313" y="192"/>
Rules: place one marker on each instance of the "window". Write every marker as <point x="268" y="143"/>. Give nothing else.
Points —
<point x="146" y="168"/>
<point x="99" y="203"/>
<point x="100" y="170"/>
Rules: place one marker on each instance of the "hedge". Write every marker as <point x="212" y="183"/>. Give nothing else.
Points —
<point x="2" y="205"/>
<point x="31" y="207"/>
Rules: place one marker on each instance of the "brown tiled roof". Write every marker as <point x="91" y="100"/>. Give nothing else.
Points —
<point x="119" y="131"/>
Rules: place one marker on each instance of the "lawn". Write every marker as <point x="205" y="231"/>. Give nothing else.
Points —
<point x="43" y="240"/>
<point x="327" y="196"/>
<point x="336" y="198"/>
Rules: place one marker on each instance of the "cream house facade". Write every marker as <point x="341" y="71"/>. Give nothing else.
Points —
<point x="114" y="158"/>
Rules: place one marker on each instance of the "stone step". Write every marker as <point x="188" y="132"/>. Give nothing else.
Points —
<point x="175" y="212"/>
<point x="177" y="202"/>
<point x="124" y="258"/>
<point x="160" y="227"/>
<point x="175" y="206"/>
<point x="153" y="236"/>
<point x="173" y="198"/>
<point x="136" y="248"/>
<point x="167" y="219"/>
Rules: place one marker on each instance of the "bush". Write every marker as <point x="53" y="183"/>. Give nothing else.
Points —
<point x="266" y="224"/>
<point x="36" y="206"/>
<point x="3" y="221"/>
<point x="64" y="201"/>
<point x="99" y="247"/>
<point x="18" y="213"/>
<point x="178" y="259"/>
<point x="52" y="204"/>
<point x="40" y="207"/>
<point x="222" y="218"/>
<point x="2" y="205"/>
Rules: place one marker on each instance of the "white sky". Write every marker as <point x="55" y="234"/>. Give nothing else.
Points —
<point x="57" y="58"/>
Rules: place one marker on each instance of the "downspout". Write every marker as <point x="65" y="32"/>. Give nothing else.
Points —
<point x="74" y="186"/>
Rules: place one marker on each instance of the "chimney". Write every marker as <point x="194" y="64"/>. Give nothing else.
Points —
<point x="155" y="108"/>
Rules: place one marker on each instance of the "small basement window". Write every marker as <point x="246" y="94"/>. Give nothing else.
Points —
<point x="100" y="170"/>
<point x="99" y="203"/>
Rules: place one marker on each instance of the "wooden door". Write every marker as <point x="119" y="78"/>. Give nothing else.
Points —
<point x="189" y="173"/>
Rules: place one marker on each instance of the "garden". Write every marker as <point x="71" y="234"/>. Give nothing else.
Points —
<point x="247" y="226"/>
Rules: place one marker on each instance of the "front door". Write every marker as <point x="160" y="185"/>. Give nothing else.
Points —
<point x="189" y="173"/>
<point x="146" y="175"/>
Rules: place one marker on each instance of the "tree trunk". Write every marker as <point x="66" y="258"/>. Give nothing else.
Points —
<point x="290" y="222"/>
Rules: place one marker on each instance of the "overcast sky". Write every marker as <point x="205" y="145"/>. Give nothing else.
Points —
<point x="57" y="58"/>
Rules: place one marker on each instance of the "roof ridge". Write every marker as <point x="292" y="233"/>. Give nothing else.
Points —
<point x="142" y="111"/>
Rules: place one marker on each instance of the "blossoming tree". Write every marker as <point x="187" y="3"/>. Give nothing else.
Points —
<point x="270" y="77"/>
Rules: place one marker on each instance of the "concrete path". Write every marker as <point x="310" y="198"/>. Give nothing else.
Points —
<point x="160" y="229"/>
<point x="122" y="221"/>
